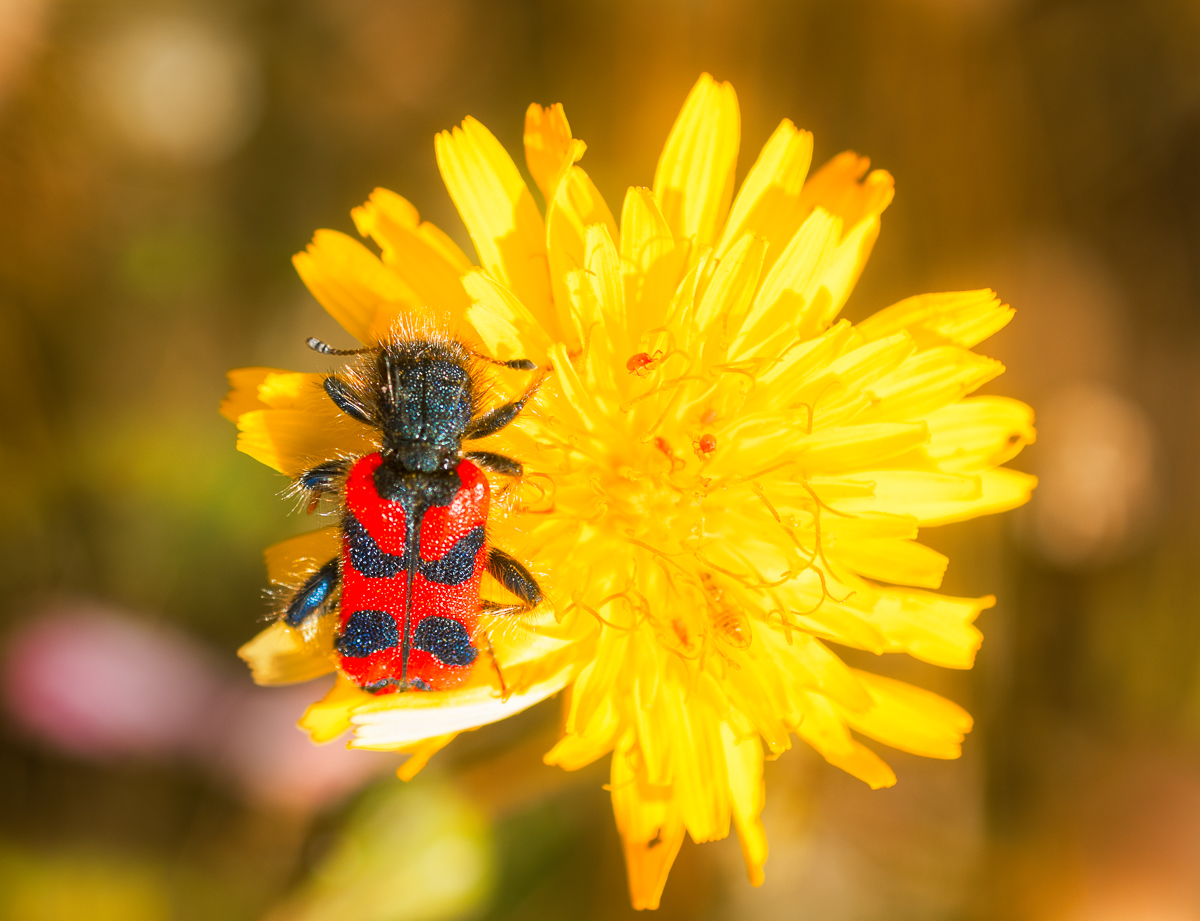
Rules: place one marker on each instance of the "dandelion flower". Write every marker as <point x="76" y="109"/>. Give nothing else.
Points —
<point x="723" y="478"/>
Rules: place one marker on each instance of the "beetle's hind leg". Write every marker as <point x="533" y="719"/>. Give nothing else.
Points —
<point x="314" y="594"/>
<point x="516" y="579"/>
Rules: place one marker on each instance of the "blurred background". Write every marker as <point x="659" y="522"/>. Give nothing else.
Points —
<point x="160" y="161"/>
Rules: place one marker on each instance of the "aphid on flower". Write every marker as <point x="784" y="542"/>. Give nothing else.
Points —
<point x="413" y="517"/>
<point x="727" y="621"/>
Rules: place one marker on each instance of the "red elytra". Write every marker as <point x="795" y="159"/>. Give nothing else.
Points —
<point x="396" y="666"/>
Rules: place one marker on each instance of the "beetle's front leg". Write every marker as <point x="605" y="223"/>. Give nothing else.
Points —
<point x="321" y="480"/>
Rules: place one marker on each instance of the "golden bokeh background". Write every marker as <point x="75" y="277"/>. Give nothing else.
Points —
<point x="161" y="160"/>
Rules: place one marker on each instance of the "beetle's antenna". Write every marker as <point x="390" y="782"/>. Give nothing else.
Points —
<point x="325" y="349"/>
<point x="517" y="364"/>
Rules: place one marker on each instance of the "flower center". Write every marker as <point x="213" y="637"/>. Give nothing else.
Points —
<point x="653" y="496"/>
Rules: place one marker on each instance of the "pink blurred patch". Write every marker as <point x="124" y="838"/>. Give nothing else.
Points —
<point x="100" y="684"/>
<point x="275" y="762"/>
<point x="95" y="683"/>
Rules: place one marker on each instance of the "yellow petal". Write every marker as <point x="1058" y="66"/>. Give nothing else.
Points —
<point x="420" y="254"/>
<point x="744" y="764"/>
<point x="852" y="446"/>
<point x="602" y="266"/>
<point x="547" y="144"/>
<point x="652" y="258"/>
<point x="921" y="494"/>
<point x="840" y="277"/>
<point x="694" y="179"/>
<point x="329" y="717"/>
<point x="243" y="391"/>
<point x="731" y="290"/>
<point x="809" y="666"/>
<point x="398" y="724"/>
<point x="824" y="730"/>
<point x="934" y="628"/>
<point x="836" y="529"/>
<point x="281" y="655"/>
<point x="350" y="282"/>
<point x="940" y="498"/>
<point x="692" y="729"/>
<point x="841" y="393"/>
<point x="421" y="753"/>
<point x="903" y="562"/>
<point x="794" y="281"/>
<point x="290" y="390"/>
<point x="579" y="749"/>
<point x="499" y="211"/>
<point x="759" y="445"/>
<point x="978" y="432"/>
<point x="927" y="381"/>
<point x="768" y="203"/>
<point x="650" y="825"/>
<point x="839" y="188"/>
<point x="291" y="441"/>
<point x="597" y="679"/>
<point x="291" y="561"/>
<point x="503" y="322"/>
<point x="811" y="608"/>
<point x="300" y="426"/>
<point x="651" y="717"/>
<point x="961" y="318"/>
<point x="575" y="205"/>
<point x="911" y="719"/>
<point x="1000" y="490"/>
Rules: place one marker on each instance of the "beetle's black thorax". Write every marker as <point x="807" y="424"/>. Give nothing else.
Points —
<point x="417" y="490"/>
<point x="425" y="400"/>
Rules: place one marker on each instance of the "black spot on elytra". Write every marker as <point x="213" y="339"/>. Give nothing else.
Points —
<point x="445" y="638"/>
<point x="456" y="566"/>
<point x="367" y="632"/>
<point x="365" y="554"/>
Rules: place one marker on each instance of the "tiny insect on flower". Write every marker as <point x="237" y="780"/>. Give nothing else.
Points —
<point x="690" y="597"/>
<point x="642" y="362"/>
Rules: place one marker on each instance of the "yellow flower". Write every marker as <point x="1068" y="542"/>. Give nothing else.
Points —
<point x="721" y="476"/>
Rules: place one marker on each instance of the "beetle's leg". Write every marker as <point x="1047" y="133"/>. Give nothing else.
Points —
<point x="322" y="479"/>
<point x="496" y="463"/>
<point x="345" y="399"/>
<point x="314" y="594"/>
<point x="494" y="420"/>
<point x="496" y="665"/>
<point x="514" y="577"/>
<point x="496" y="609"/>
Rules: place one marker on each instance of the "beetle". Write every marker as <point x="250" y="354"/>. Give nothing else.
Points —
<point x="413" y="516"/>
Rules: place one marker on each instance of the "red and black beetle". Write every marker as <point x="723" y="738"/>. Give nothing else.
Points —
<point x="413" y="517"/>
